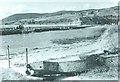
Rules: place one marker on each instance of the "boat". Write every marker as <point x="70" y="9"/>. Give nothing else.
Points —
<point x="66" y="68"/>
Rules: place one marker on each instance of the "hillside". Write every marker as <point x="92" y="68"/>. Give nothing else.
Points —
<point x="90" y="16"/>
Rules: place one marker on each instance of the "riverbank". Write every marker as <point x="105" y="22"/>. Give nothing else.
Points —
<point x="64" y="46"/>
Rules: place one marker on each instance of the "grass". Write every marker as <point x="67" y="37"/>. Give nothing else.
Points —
<point x="10" y="74"/>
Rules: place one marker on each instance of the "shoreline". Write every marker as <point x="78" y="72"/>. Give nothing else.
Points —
<point x="27" y="30"/>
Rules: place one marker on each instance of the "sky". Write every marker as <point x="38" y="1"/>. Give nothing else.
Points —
<point x="10" y="7"/>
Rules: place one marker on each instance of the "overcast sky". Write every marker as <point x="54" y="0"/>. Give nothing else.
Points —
<point x="9" y="7"/>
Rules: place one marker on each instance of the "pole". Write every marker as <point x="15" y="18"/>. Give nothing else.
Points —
<point x="8" y="57"/>
<point x="26" y="56"/>
<point x="27" y="66"/>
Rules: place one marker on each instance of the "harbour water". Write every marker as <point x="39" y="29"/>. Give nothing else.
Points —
<point x="19" y="42"/>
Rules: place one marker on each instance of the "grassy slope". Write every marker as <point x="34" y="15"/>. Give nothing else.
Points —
<point x="110" y="42"/>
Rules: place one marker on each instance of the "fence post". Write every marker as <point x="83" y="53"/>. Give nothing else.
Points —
<point x="8" y="56"/>
<point x="26" y="56"/>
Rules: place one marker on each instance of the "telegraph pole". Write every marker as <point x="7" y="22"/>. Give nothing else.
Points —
<point x="8" y="56"/>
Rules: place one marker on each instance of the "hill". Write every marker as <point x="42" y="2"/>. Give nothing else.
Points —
<point x="90" y="16"/>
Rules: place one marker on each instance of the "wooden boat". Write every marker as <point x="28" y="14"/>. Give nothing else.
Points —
<point x="44" y="68"/>
<point x="67" y="68"/>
